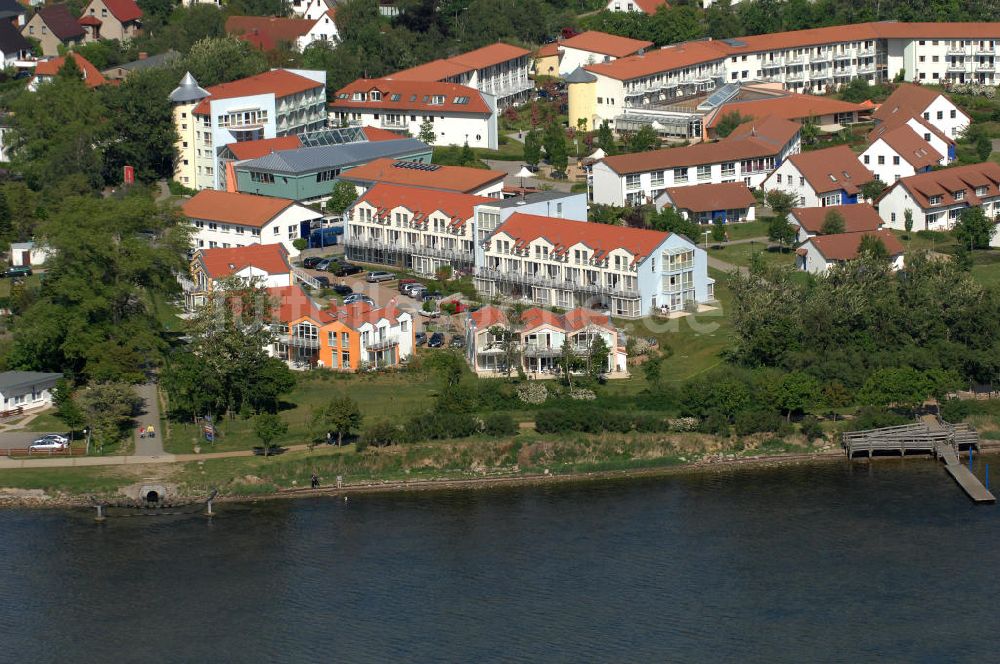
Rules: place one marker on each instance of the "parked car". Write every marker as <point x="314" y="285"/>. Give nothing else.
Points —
<point x="420" y="338"/>
<point x="324" y="264"/>
<point x="312" y="262"/>
<point x="342" y="289"/>
<point x="405" y="284"/>
<point x="430" y="314"/>
<point x="558" y="175"/>
<point x="46" y="444"/>
<point x="324" y="282"/>
<point x="345" y="269"/>
<point x="436" y="340"/>
<point x="59" y="438"/>
<point x="457" y="341"/>
<point x="433" y="295"/>
<point x="18" y="271"/>
<point x="379" y="276"/>
<point x="359" y="297"/>
<point x="417" y="292"/>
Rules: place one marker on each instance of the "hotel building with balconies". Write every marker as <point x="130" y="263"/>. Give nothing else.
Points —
<point x="568" y="264"/>
<point x="280" y="102"/>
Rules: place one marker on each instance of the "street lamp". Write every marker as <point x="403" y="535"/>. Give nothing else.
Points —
<point x="706" y="234"/>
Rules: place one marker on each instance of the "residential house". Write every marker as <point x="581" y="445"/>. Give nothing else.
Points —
<point x="725" y="203"/>
<point x="458" y="114"/>
<point x="832" y="176"/>
<point x="648" y="7"/>
<point x="315" y="9"/>
<point x="461" y="179"/>
<point x="538" y="343"/>
<point x="936" y="199"/>
<point x="748" y="155"/>
<point x="13" y="12"/>
<point x="111" y="19"/>
<point x="27" y="389"/>
<point x="13" y="46"/>
<point x="46" y="70"/>
<point x="860" y="218"/>
<point x="547" y="60"/>
<point x="591" y="47"/>
<point x="145" y="61"/>
<point x="818" y="254"/>
<point x="225" y="219"/>
<point x="500" y="71"/>
<point x="348" y="338"/>
<point x="264" y="265"/>
<point x="567" y="264"/>
<point x="280" y="102"/>
<point x="268" y="33"/>
<point x="761" y="102"/>
<point x="942" y="144"/>
<point x="307" y="174"/>
<point x="641" y="89"/>
<point x="899" y="153"/>
<point x="53" y="26"/>
<point x="418" y="229"/>
<point x="28" y="254"/>
<point x="909" y="100"/>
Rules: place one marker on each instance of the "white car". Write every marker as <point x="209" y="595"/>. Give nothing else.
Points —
<point x="56" y="437"/>
<point x="45" y="444"/>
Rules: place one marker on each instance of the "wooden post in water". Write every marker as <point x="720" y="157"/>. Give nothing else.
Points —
<point x="100" y="513"/>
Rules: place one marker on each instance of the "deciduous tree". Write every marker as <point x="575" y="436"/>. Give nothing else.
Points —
<point x="833" y="223"/>
<point x="974" y="229"/>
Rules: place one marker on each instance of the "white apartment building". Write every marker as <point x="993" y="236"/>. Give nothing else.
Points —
<point x="925" y="110"/>
<point x="643" y="88"/>
<point x="280" y="102"/>
<point x="900" y="153"/>
<point x="748" y="155"/>
<point x="228" y="219"/>
<point x="567" y="264"/>
<point x="821" y="178"/>
<point x="500" y="71"/>
<point x="458" y="114"/>
<point x="936" y="199"/>
<point x="592" y="47"/>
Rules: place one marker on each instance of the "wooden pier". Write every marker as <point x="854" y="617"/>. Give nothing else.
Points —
<point x="928" y="436"/>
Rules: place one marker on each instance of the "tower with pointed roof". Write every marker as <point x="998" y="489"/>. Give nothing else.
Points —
<point x="183" y="100"/>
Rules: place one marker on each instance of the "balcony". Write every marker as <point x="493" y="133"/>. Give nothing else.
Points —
<point x="546" y="282"/>
<point x="956" y="49"/>
<point x="795" y="75"/>
<point x="866" y="52"/>
<point x="773" y="64"/>
<point x="985" y="66"/>
<point x="303" y="342"/>
<point x="393" y="125"/>
<point x="845" y="55"/>
<point x="868" y="68"/>
<point x="795" y="59"/>
<point x="957" y="66"/>
<point x="979" y="49"/>
<point x="383" y="344"/>
<point x="824" y="56"/>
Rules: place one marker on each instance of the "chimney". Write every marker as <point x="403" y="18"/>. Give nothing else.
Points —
<point x="143" y="55"/>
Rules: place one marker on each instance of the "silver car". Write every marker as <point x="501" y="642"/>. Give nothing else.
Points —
<point x="375" y="277"/>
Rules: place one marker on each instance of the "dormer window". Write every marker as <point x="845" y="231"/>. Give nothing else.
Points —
<point x="358" y="96"/>
<point x="461" y="100"/>
<point x="375" y="95"/>
<point x="959" y="195"/>
<point x="981" y="191"/>
<point x="934" y="200"/>
<point x="437" y="100"/>
<point x="394" y="97"/>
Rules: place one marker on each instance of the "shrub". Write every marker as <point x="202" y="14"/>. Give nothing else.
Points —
<point x="582" y="394"/>
<point x="379" y="433"/>
<point x="756" y="421"/>
<point x="811" y="429"/>
<point x="683" y="424"/>
<point x="874" y="418"/>
<point x="499" y="424"/>
<point x="955" y="410"/>
<point x="438" y="425"/>
<point x="533" y="393"/>
<point x="716" y="424"/>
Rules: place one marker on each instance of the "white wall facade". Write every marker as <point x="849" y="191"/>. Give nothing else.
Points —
<point x="449" y="128"/>
<point x="572" y="58"/>
<point x="283" y="229"/>
<point x="887" y="164"/>
<point x="892" y="207"/>
<point x="374" y="336"/>
<point x="789" y="179"/>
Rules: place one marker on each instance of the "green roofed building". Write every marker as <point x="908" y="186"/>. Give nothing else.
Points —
<point x="308" y="174"/>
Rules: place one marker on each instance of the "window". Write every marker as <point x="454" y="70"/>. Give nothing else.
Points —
<point x="266" y="178"/>
<point x="934" y="200"/>
<point x="895" y="160"/>
<point x="952" y="114"/>
<point x="326" y="176"/>
<point x="940" y="115"/>
<point x="867" y="161"/>
<point x="802" y="181"/>
<point x="600" y="100"/>
<point x="881" y="160"/>
<point x="657" y="178"/>
<point x="729" y="168"/>
<point x="704" y="172"/>
<point x="831" y="199"/>
<point x="892" y="216"/>
<point x="981" y="191"/>
<point x="632" y="181"/>
<point x="959" y="195"/>
<point x="680" y="175"/>
<point x="779" y="178"/>
<point x="375" y="95"/>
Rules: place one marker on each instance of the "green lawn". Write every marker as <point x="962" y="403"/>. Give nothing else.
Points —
<point x="30" y="282"/>
<point x="378" y="395"/>
<point x="84" y="479"/>
<point x="744" y="231"/>
<point x="46" y="422"/>
<point x="986" y="267"/>
<point x="740" y="254"/>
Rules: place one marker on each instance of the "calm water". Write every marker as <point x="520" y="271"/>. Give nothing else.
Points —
<point x="796" y="565"/>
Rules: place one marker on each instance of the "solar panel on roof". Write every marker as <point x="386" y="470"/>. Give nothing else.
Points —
<point x="416" y="166"/>
<point x="337" y="136"/>
<point x="720" y="96"/>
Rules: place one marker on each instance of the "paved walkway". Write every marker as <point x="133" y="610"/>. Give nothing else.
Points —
<point x="7" y="463"/>
<point x="150" y="416"/>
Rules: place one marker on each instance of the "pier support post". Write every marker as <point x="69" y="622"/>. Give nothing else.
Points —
<point x="970" y="458"/>
<point x="340" y="481"/>
<point x="208" y="508"/>
<point x="100" y="513"/>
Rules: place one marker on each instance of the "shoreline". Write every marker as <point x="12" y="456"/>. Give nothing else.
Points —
<point x="38" y="499"/>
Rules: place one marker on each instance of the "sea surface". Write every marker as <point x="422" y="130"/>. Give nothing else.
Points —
<point x="828" y="563"/>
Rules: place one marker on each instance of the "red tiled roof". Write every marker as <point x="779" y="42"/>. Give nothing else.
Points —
<point x="375" y="134"/>
<point x="908" y="99"/>
<point x="91" y="76"/>
<point x="234" y="208"/>
<point x="676" y="56"/>
<point x="90" y="20"/>
<point x="292" y="303"/>
<point x="357" y="314"/>
<point x="547" y="50"/>
<point x="832" y="169"/>
<point x="412" y="96"/>
<point x="563" y="234"/>
<point x="605" y="44"/>
<point x="858" y="218"/>
<point x="488" y="316"/>
<point x="650" y="6"/>
<point x="711" y="197"/>
<point x="280" y="82"/>
<point x="267" y="32"/>
<point x="902" y="120"/>
<point x="124" y="10"/>
<point x="763" y="138"/>
<point x="265" y="146"/>
<point x="224" y="262"/>
<point x="947" y="181"/>
<point x="444" y="178"/>
<point x="791" y="106"/>
<point x="844" y="246"/>
<point x="438" y="70"/>
<point x="458" y="207"/>
<point x="579" y="318"/>
<point x="911" y="147"/>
